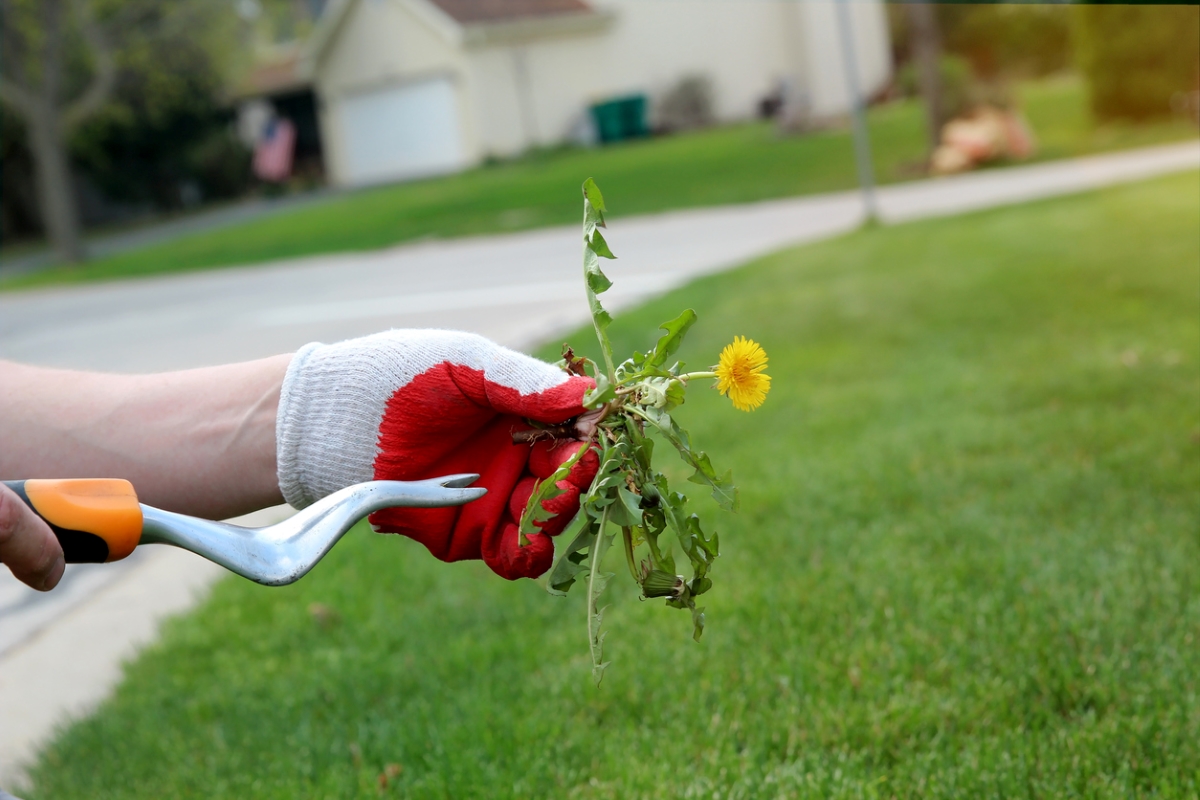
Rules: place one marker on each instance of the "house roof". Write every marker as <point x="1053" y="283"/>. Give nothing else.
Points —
<point x="277" y="74"/>
<point x="472" y="22"/>
<point x="471" y="12"/>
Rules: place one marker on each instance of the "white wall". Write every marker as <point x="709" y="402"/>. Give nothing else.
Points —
<point x="745" y="46"/>
<point x="383" y="43"/>
<point x="823" y="58"/>
<point x="563" y="77"/>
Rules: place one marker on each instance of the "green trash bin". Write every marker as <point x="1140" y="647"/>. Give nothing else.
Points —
<point x="621" y="118"/>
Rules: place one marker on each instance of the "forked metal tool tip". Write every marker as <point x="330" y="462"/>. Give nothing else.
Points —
<point x="283" y="553"/>
<point x="460" y="482"/>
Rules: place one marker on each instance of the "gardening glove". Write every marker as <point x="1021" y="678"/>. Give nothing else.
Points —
<point x="415" y="404"/>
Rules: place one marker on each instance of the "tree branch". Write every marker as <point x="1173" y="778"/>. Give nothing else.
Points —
<point x="15" y="88"/>
<point x="18" y="98"/>
<point x="105" y="65"/>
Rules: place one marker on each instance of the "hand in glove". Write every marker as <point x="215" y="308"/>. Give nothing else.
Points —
<point x="414" y="404"/>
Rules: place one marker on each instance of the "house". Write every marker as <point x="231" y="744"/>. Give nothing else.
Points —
<point x="409" y="88"/>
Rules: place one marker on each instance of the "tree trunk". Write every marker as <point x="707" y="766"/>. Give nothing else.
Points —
<point x="56" y="196"/>
<point x="927" y="49"/>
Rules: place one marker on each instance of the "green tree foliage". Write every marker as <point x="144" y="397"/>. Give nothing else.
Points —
<point x="957" y="56"/>
<point x="128" y="92"/>
<point x="1008" y="40"/>
<point x="166" y="122"/>
<point x="998" y="41"/>
<point x="1136" y="57"/>
<point x="957" y="83"/>
<point x="44" y="45"/>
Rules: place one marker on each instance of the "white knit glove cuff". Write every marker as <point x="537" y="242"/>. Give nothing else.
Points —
<point x="334" y="398"/>
<point x="325" y="431"/>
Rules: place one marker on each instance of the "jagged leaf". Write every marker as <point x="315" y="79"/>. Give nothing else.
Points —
<point x="572" y="561"/>
<point x="723" y="489"/>
<point x="669" y="342"/>
<point x="599" y="246"/>
<point x="603" y="392"/>
<point x="591" y="193"/>
<point x="545" y="491"/>
<point x="601" y="319"/>
<point x="697" y="622"/>
<point x="597" y="281"/>
<point x="625" y="511"/>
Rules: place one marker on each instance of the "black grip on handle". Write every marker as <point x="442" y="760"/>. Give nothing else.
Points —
<point x="79" y="547"/>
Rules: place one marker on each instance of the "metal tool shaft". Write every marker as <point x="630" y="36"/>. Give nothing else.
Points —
<point x="283" y="553"/>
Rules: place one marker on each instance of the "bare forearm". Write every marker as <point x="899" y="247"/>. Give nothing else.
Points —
<point x="199" y="441"/>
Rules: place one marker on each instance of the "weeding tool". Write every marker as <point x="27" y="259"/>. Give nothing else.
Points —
<point x="100" y="519"/>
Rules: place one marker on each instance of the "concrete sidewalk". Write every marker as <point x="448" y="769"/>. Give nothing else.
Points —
<point x="155" y="231"/>
<point x="60" y="653"/>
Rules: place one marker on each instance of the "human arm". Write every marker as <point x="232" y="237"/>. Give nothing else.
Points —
<point x="199" y="442"/>
<point x="403" y="405"/>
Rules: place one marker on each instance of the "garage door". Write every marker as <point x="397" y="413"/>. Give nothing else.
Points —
<point x="400" y="132"/>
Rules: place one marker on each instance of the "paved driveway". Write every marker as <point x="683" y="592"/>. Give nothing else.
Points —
<point x="60" y="652"/>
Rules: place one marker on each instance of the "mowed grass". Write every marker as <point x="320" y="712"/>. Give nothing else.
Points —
<point x="725" y="165"/>
<point x="967" y="564"/>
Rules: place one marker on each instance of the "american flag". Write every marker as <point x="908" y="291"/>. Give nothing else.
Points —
<point x="273" y="153"/>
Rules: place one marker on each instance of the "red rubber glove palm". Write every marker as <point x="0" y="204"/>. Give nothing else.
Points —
<point x="408" y="405"/>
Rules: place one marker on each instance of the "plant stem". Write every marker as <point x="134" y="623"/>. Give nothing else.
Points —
<point x="598" y="549"/>
<point x="610" y="370"/>
<point x="687" y="376"/>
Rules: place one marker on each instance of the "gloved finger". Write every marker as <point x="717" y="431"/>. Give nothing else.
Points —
<point x="508" y="559"/>
<point x="490" y="375"/>
<point x="458" y="533"/>
<point x="556" y="404"/>
<point x="27" y="545"/>
<point x="520" y="496"/>
<point x="512" y="382"/>
<point x="546" y="458"/>
<point x="431" y="527"/>
<point x="549" y="454"/>
<point x="563" y="506"/>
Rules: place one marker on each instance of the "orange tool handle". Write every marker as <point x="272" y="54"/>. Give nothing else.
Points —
<point x="95" y="519"/>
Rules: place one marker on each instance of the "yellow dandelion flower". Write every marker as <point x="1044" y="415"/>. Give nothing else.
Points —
<point x="740" y="375"/>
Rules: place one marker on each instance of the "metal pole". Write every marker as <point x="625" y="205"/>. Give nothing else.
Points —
<point x="525" y="97"/>
<point x="862" y="143"/>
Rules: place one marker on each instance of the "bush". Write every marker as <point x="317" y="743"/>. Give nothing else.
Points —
<point x="220" y="164"/>
<point x="1136" y="57"/>
<point x="1002" y="42"/>
<point x="1007" y="40"/>
<point x="959" y="93"/>
<point x="688" y="105"/>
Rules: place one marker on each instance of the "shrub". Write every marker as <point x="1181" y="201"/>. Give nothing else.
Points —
<point x="687" y="105"/>
<point x="959" y="92"/>
<point x="1136" y="57"/>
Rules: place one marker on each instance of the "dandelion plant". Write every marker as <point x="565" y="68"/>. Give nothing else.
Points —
<point x="632" y="400"/>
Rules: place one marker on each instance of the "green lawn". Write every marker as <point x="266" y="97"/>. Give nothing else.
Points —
<point x="726" y="165"/>
<point x="967" y="564"/>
